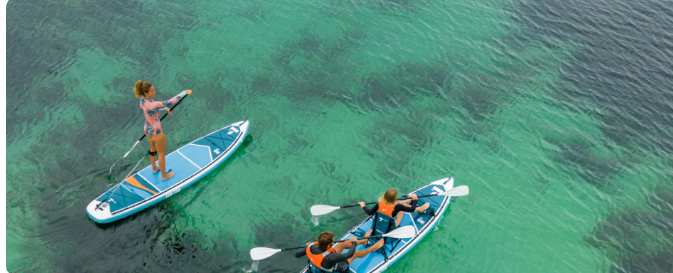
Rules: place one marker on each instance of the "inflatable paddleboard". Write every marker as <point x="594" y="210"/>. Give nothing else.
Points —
<point x="189" y="163"/>
<point x="423" y="223"/>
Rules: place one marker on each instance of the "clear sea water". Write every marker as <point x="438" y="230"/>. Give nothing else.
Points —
<point x="557" y="114"/>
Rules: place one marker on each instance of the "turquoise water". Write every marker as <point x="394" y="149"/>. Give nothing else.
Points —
<point x="556" y="114"/>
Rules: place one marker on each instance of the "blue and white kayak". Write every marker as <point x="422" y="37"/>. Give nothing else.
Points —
<point x="423" y="223"/>
<point x="189" y="163"/>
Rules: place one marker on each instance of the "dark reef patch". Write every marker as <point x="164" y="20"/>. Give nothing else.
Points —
<point x="637" y="239"/>
<point x="394" y="141"/>
<point x="147" y="244"/>
<point x="622" y="72"/>
<point x="405" y="82"/>
<point x="308" y="68"/>
<point x="621" y="75"/>
<point x="577" y="155"/>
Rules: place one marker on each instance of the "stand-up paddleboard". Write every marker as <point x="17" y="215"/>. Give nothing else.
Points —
<point x="189" y="163"/>
<point x="423" y="223"/>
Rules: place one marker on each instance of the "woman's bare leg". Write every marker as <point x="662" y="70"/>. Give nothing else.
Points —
<point x="160" y="142"/>
<point x="153" y="159"/>
<point x="398" y="220"/>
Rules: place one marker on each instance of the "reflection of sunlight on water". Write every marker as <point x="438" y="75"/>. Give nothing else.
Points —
<point x="253" y="267"/>
<point x="314" y="220"/>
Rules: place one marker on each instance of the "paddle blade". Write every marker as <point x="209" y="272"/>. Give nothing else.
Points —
<point x="457" y="191"/>
<point x="322" y="209"/>
<point x="261" y="253"/>
<point x="401" y="232"/>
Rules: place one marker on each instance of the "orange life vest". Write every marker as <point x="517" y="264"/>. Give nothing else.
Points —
<point x="386" y="209"/>
<point x="316" y="259"/>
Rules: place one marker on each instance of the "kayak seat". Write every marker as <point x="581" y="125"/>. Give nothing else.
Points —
<point x="382" y="225"/>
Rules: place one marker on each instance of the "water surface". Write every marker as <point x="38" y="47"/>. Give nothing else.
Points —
<point x="557" y="115"/>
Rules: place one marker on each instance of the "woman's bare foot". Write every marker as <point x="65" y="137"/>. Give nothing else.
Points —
<point x="155" y="169"/>
<point x="422" y="208"/>
<point x="167" y="176"/>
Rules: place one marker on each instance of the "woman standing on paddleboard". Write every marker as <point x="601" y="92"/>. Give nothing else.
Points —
<point x="145" y="92"/>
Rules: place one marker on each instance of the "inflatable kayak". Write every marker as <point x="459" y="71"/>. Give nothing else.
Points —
<point x="189" y="163"/>
<point x="422" y="223"/>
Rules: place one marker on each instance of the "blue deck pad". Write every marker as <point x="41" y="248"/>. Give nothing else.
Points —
<point x="200" y="155"/>
<point x="180" y="166"/>
<point x="145" y="184"/>
<point x="219" y="140"/>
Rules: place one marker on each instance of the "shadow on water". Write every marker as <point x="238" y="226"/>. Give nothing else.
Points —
<point x="406" y="82"/>
<point x="577" y="154"/>
<point x="398" y="8"/>
<point x="637" y="239"/>
<point x="148" y="242"/>
<point x="621" y="76"/>
<point x="310" y="67"/>
<point x="394" y="140"/>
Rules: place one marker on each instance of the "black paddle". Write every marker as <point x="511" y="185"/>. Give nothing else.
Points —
<point x="260" y="253"/>
<point x="325" y="209"/>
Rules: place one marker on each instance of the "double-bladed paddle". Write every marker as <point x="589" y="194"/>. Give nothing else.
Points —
<point x="261" y="253"/>
<point x="325" y="209"/>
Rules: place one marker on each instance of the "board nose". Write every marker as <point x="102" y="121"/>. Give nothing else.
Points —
<point x="244" y="125"/>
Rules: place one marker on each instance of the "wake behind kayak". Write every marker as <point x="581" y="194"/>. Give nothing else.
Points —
<point x="189" y="163"/>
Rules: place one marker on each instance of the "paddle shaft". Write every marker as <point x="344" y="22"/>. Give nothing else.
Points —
<point x="400" y="199"/>
<point x="335" y="242"/>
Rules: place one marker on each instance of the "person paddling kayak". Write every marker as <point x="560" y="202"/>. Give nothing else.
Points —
<point x="155" y="135"/>
<point x="324" y="257"/>
<point x="388" y="205"/>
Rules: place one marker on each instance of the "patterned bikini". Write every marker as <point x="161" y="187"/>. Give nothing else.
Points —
<point x="151" y="110"/>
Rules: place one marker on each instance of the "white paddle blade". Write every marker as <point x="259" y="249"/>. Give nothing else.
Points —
<point x="261" y="253"/>
<point x="401" y="232"/>
<point x="457" y="191"/>
<point x="134" y="145"/>
<point x="322" y="209"/>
